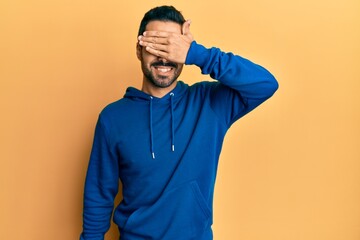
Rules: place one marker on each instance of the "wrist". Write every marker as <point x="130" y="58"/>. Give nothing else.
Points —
<point x="197" y="55"/>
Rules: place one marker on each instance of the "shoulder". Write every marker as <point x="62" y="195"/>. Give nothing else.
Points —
<point x="114" y="106"/>
<point x="204" y="86"/>
<point x="115" y="110"/>
<point x="201" y="90"/>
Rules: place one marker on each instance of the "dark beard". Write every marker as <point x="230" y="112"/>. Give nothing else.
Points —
<point x="161" y="81"/>
<point x="157" y="82"/>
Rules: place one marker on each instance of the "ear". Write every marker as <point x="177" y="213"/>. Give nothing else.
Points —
<point x="186" y="27"/>
<point x="138" y="51"/>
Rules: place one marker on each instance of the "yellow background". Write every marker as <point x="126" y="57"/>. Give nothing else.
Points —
<point x="290" y="170"/>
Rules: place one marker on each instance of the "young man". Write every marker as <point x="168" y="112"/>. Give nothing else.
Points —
<point x="163" y="142"/>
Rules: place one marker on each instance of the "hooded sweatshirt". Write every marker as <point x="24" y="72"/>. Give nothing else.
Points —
<point x="165" y="151"/>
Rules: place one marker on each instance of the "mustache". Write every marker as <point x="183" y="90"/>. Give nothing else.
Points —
<point x="164" y="64"/>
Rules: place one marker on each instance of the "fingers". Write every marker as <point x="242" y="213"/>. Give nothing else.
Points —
<point x="154" y="45"/>
<point x="157" y="46"/>
<point x="156" y="52"/>
<point x="156" y="34"/>
<point x="155" y="40"/>
<point x="169" y="45"/>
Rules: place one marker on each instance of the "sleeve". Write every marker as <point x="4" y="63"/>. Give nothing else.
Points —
<point x="242" y="84"/>
<point x="101" y="187"/>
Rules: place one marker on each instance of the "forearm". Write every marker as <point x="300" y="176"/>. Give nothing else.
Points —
<point x="240" y="74"/>
<point x="97" y="211"/>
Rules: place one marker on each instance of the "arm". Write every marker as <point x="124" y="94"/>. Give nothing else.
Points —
<point x="243" y="85"/>
<point x="101" y="187"/>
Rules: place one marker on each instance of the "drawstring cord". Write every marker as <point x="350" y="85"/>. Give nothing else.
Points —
<point x="172" y="122"/>
<point x="151" y="130"/>
<point x="172" y="125"/>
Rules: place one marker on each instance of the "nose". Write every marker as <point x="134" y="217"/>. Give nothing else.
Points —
<point x="161" y="59"/>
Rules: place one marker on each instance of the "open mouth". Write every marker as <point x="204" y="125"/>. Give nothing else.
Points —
<point x="164" y="67"/>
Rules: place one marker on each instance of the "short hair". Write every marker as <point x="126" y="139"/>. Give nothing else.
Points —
<point x="162" y="13"/>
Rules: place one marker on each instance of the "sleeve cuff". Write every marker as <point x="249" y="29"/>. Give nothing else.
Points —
<point x="197" y="55"/>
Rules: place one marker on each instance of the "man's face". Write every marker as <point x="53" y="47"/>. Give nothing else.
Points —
<point x="159" y="71"/>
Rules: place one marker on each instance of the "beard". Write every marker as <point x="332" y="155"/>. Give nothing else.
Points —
<point x="161" y="80"/>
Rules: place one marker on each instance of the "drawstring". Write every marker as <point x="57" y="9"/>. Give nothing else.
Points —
<point x="172" y="122"/>
<point x="172" y="125"/>
<point x="151" y="130"/>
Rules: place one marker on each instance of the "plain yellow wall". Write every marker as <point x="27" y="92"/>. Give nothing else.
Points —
<point x="290" y="170"/>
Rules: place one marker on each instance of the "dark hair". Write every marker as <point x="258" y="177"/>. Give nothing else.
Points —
<point x="162" y="13"/>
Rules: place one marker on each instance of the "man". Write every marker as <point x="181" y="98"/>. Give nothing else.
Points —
<point x="164" y="141"/>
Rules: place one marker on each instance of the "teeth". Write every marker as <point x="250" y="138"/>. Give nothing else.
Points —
<point x="164" y="70"/>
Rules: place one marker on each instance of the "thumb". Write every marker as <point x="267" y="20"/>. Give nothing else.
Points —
<point x="186" y="27"/>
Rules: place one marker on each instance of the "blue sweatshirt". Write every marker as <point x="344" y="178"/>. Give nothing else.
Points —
<point x="165" y="151"/>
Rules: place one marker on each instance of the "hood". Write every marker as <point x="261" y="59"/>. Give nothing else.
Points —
<point x="135" y="94"/>
<point x="169" y="99"/>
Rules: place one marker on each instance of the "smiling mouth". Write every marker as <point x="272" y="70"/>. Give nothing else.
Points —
<point x="163" y="69"/>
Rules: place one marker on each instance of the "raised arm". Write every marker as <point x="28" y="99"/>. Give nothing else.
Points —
<point x="243" y="85"/>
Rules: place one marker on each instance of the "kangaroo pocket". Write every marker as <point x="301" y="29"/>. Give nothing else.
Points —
<point x="180" y="213"/>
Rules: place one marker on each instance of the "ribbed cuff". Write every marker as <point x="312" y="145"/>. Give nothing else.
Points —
<point x="198" y="55"/>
